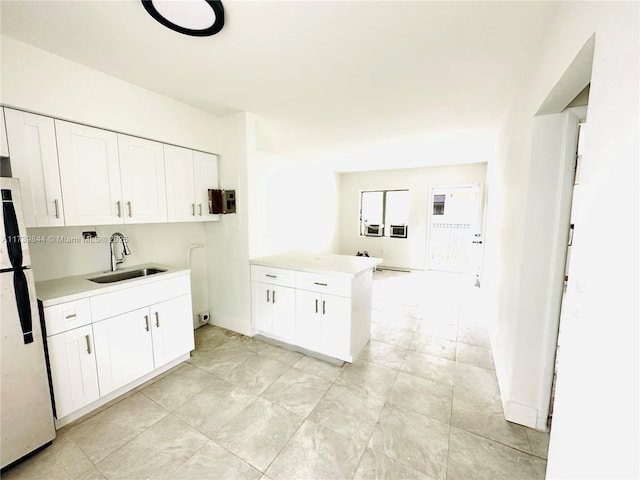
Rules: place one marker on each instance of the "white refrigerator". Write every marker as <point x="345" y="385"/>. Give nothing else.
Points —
<point x="26" y="422"/>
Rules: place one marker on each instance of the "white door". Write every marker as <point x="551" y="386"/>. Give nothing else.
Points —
<point x="172" y="328"/>
<point x="74" y="376"/>
<point x="124" y="351"/>
<point x="336" y="325"/>
<point x="309" y="320"/>
<point x="453" y="220"/>
<point x="90" y="174"/>
<point x="205" y="166"/>
<point x="143" y="180"/>
<point x="181" y="202"/>
<point x="283" y="301"/>
<point x="262" y="309"/>
<point x="34" y="160"/>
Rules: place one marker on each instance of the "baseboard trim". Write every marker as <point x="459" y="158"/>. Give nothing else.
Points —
<point x="232" y="323"/>
<point x="521" y="414"/>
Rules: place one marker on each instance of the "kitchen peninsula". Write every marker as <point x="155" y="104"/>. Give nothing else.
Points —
<point x="314" y="301"/>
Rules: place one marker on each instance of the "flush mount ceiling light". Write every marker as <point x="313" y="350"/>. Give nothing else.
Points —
<point x="200" y="18"/>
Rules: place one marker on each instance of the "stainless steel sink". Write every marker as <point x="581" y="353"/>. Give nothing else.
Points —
<point x="118" y="277"/>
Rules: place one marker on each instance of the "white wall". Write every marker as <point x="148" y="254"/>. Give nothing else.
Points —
<point x="295" y="206"/>
<point x="595" y="428"/>
<point x="397" y="252"/>
<point x="38" y="81"/>
<point x="282" y="205"/>
<point x="148" y="243"/>
<point x="228" y="240"/>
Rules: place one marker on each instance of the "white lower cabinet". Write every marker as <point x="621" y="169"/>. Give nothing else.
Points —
<point x="74" y="377"/>
<point x="123" y="349"/>
<point x="101" y="345"/>
<point x="170" y="336"/>
<point x="131" y="345"/>
<point x="323" y="313"/>
<point x="323" y="323"/>
<point x="336" y="325"/>
<point x="274" y="308"/>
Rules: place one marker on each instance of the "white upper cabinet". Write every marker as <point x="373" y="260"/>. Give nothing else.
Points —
<point x="144" y="196"/>
<point x="4" y="145"/>
<point x="189" y="176"/>
<point x="34" y="160"/>
<point x="90" y="174"/>
<point x="205" y="166"/>
<point x="181" y="206"/>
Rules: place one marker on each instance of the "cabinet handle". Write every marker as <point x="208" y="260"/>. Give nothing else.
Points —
<point x="119" y="204"/>
<point x="200" y="209"/>
<point x="316" y="305"/>
<point x="274" y="297"/>
<point x="268" y="299"/>
<point x="71" y="315"/>
<point x="193" y="209"/>
<point x="56" y="206"/>
<point x="88" y="339"/>
<point x="129" y="207"/>
<point x="323" y="309"/>
<point x="270" y="276"/>
<point x="146" y="321"/>
<point x="157" y="320"/>
<point x="321" y="284"/>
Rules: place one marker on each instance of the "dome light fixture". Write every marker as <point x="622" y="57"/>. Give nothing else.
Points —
<point x="199" y="18"/>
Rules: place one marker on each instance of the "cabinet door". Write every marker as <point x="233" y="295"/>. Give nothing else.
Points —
<point x="181" y="203"/>
<point x="144" y="193"/>
<point x="262" y="311"/>
<point x="90" y="174"/>
<point x="172" y="329"/>
<point x="4" y="146"/>
<point x="205" y="166"/>
<point x="34" y="160"/>
<point x="336" y="326"/>
<point x="124" y="350"/>
<point x="73" y="370"/>
<point x="308" y="320"/>
<point x="283" y="302"/>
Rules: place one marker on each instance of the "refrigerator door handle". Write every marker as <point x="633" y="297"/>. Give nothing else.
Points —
<point x="23" y="303"/>
<point x="11" y="229"/>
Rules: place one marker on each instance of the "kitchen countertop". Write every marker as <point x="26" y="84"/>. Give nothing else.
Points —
<point x="67" y="289"/>
<point x="327" y="263"/>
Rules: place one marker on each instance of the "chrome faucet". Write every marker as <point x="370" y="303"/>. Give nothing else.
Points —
<point x="125" y="250"/>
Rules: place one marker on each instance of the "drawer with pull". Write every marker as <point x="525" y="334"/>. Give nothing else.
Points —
<point x="274" y="276"/>
<point x="67" y="316"/>
<point x="331" y="284"/>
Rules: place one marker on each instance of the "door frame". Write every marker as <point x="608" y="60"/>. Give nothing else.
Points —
<point x="572" y="117"/>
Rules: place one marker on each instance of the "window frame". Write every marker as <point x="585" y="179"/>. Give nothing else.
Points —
<point x="386" y="228"/>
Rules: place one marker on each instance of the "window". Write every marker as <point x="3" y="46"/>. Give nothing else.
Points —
<point x="384" y="213"/>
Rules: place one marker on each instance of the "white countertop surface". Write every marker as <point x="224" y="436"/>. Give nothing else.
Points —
<point x="67" y="289"/>
<point x="327" y="263"/>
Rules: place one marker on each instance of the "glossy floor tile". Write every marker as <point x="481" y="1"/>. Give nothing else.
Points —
<point x="420" y="403"/>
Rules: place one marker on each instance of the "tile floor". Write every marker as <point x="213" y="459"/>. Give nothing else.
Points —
<point x="421" y="402"/>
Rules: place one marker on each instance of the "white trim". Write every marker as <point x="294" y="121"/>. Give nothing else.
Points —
<point x="521" y="414"/>
<point x="232" y="323"/>
<point x="562" y="213"/>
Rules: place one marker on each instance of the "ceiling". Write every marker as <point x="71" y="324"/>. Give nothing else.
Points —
<point x="325" y="78"/>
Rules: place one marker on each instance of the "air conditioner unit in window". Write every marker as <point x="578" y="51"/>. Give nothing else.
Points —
<point x="373" y="230"/>
<point x="398" y="231"/>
